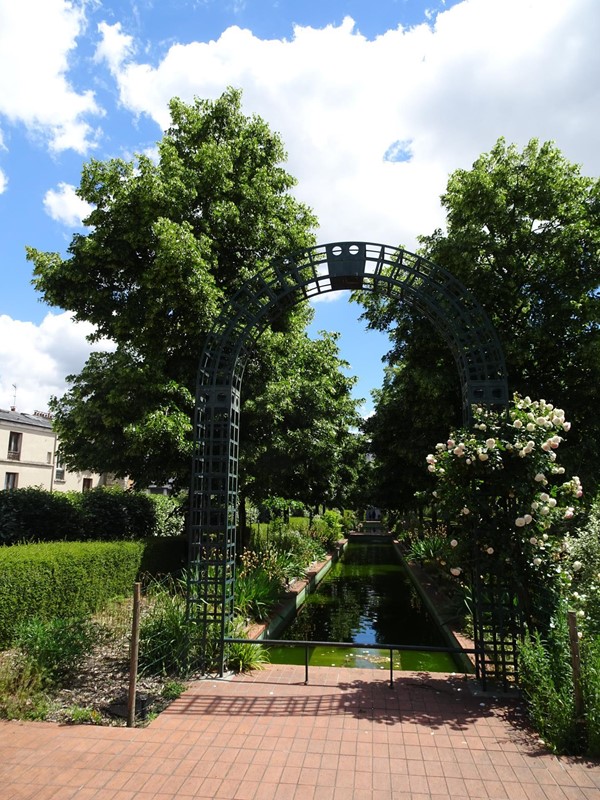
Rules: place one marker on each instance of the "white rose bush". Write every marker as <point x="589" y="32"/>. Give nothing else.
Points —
<point x="509" y="502"/>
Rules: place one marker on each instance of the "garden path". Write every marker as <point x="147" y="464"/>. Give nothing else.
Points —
<point x="265" y="736"/>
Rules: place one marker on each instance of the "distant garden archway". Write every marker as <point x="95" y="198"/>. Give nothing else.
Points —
<point x="432" y="290"/>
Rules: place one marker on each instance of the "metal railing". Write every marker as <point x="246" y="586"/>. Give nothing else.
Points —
<point x="391" y="648"/>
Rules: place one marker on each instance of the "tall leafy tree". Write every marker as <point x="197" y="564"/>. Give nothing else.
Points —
<point x="301" y="432"/>
<point x="523" y="234"/>
<point x="167" y="243"/>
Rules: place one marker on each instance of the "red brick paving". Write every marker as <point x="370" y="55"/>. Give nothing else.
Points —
<point x="266" y="736"/>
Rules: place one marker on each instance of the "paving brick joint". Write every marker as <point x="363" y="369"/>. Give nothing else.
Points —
<point x="345" y="736"/>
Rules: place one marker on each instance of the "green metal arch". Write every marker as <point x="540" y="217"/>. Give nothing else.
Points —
<point x="429" y="288"/>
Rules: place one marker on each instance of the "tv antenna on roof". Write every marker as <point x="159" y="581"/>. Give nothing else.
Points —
<point x="14" y="403"/>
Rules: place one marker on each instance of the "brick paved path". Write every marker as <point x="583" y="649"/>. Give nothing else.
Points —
<point x="347" y="736"/>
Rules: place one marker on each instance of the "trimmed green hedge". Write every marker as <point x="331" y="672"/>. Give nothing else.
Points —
<point x="65" y="579"/>
<point x="106" y="514"/>
<point x="36" y="513"/>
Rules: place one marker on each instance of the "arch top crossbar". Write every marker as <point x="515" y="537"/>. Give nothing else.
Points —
<point x="365" y="266"/>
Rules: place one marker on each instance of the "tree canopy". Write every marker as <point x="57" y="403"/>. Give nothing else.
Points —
<point x="301" y="432"/>
<point x="523" y="234"/>
<point x="167" y="242"/>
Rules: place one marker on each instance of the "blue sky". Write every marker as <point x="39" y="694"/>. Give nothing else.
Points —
<point x="377" y="103"/>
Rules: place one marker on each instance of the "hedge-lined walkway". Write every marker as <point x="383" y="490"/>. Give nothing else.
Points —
<point x="347" y="736"/>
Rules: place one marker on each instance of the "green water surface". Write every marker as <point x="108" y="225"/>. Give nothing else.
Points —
<point x="366" y="598"/>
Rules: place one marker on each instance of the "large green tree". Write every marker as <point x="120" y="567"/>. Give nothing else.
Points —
<point x="523" y="234"/>
<point x="301" y="433"/>
<point x="168" y="241"/>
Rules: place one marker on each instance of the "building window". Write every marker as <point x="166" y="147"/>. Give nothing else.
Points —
<point x="87" y="485"/>
<point x="59" y="472"/>
<point x="11" y="480"/>
<point x="14" y="446"/>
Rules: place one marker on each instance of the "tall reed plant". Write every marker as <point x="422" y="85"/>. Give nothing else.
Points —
<point x="164" y="630"/>
<point x="546" y="682"/>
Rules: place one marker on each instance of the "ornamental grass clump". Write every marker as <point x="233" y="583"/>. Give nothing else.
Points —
<point x="56" y="648"/>
<point x="166" y="636"/>
<point x="547" y="685"/>
<point x="242" y="656"/>
<point x="257" y="587"/>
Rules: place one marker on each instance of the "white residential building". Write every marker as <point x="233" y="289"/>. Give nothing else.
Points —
<point x="29" y="456"/>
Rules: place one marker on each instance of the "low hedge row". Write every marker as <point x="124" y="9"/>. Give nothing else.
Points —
<point x="65" y="579"/>
<point x="107" y="514"/>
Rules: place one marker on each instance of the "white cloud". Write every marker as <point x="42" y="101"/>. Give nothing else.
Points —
<point x="3" y="182"/>
<point x="328" y="297"/>
<point x="441" y="93"/>
<point x="36" y="39"/>
<point x="63" y="205"/>
<point x="45" y="355"/>
<point x="114" y="47"/>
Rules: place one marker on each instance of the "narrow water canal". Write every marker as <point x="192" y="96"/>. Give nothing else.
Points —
<point x="366" y="598"/>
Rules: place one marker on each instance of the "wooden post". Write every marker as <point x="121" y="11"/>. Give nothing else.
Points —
<point x="133" y="655"/>
<point x="576" y="663"/>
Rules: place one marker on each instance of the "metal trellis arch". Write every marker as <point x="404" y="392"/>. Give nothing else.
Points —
<point x="435" y="292"/>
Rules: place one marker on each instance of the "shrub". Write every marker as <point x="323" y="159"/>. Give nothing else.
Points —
<point x="31" y="514"/>
<point x="546" y="680"/>
<point x="509" y="501"/>
<point x="243" y="657"/>
<point x="348" y="521"/>
<point x="172" y="690"/>
<point x="105" y="514"/>
<point x="433" y="548"/>
<point x="169" y="514"/>
<point x="63" y="579"/>
<point x="56" y="647"/>
<point x="163" y="555"/>
<point x="327" y="528"/>
<point x="83" y="715"/>
<point x="582" y="572"/>
<point x="256" y="593"/>
<point x="590" y="679"/>
<point x="164" y="630"/>
<point x="22" y="693"/>
<point x="109" y="514"/>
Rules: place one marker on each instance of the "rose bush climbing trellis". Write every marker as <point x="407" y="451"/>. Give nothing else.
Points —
<point x="509" y="502"/>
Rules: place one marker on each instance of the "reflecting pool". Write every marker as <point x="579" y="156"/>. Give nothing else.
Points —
<point x="366" y="598"/>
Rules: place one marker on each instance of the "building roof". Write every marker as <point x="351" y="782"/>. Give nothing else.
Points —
<point x="32" y="420"/>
